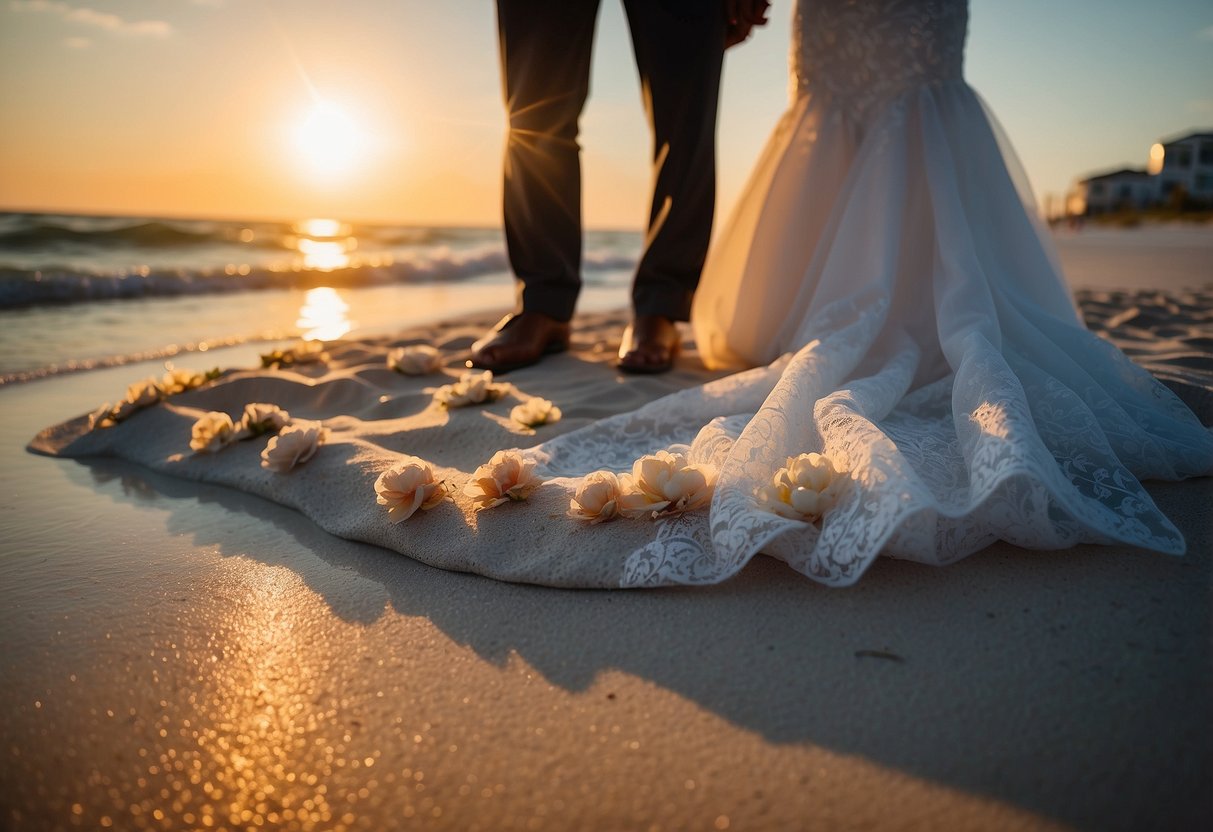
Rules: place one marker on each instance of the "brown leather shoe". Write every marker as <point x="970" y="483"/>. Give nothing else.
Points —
<point x="519" y="341"/>
<point x="650" y="345"/>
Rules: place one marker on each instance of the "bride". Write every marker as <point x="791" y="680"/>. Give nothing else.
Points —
<point x="907" y="319"/>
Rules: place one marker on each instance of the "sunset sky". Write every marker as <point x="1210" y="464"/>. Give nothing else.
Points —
<point x="195" y="107"/>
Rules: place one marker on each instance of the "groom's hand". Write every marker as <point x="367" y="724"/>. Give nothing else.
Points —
<point x="741" y="16"/>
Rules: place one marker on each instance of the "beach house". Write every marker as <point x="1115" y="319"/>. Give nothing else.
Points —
<point x="1184" y="162"/>
<point x="1117" y="190"/>
<point x="1178" y="165"/>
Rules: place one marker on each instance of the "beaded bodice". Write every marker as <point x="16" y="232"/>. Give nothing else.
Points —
<point x="859" y="54"/>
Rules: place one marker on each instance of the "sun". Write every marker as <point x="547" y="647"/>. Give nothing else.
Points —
<point x="329" y="141"/>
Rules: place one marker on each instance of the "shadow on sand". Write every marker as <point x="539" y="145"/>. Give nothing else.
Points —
<point x="1070" y="684"/>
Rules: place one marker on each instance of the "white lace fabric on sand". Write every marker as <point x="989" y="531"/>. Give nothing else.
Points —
<point x="924" y="338"/>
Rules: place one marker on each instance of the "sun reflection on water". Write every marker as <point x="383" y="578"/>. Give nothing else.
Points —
<point x="322" y="227"/>
<point x="324" y="243"/>
<point x="324" y="255"/>
<point x="324" y="315"/>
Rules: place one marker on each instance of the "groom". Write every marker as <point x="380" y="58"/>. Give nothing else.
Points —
<point x="545" y="54"/>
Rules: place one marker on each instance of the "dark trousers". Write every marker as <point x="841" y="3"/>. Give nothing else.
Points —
<point x="545" y="56"/>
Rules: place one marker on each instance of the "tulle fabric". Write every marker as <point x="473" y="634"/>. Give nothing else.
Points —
<point x="908" y="319"/>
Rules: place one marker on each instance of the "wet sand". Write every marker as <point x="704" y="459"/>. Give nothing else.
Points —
<point x="178" y="655"/>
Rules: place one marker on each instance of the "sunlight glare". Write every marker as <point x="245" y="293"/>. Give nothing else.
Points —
<point x="317" y="227"/>
<point x="330" y="142"/>
<point x="323" y="255"/>
<point x="323" y="315"/>
<point x="324" y="243"/>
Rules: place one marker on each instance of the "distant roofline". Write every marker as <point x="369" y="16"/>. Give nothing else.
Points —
<point x="1183" y="137"/>
<point x="1133" y="172"/>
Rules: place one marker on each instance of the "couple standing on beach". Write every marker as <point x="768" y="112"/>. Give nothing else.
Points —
<point x="545" y="56"/>
<point x="883" y="273"/>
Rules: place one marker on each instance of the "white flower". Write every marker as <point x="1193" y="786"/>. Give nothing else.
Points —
<point x="178" y="380"/>
<point x="507" y="476"/>
<point x="307" y="352"/>
<point x="262" y="418"/>
<point x="535" y="412"/>
<point x="213" y="432"/>
<point x="301" y="352"/>
<point x="122" y="410"/>
<point x="143" y="393"/>
<point x="472" y="388"/>
<point x="294" y="445"/>
<point x="408" y="486"/>
<point x="596" y="499"/>
<point x="102" y="417"/>
<point x="805" y="489"/>
<point x="664" y="483"/>
<point x="417" y="360"/>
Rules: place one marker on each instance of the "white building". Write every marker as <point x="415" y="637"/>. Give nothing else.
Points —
<point x="1117" y="190"/>
<point x="1184" y="161"/>
<point x="1181" y="162"/>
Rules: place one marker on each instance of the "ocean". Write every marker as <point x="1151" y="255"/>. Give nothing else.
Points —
<point x="84" y="292"/>
<point x="80" y="292"/>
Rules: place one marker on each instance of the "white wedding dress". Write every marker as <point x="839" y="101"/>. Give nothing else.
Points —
<point x="884" y="273"/>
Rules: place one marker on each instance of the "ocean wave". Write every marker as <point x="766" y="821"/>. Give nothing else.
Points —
<point x="26" y="287"/>
<point x="51" y="233"/>
<point x="50" y="236"/>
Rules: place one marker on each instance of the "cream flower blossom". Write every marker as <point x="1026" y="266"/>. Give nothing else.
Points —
<point x="262" y="418"/>
<point x="143" y="393"/>
<point x="102" y="417"/>
<point x="213" y="432"/>
<point x="122" y="410"/>
<point x="294" y="445"/>
<point x="307" y="352"/>
<point x="148" y="392"/>
<point x="472" y="388"/>
<point x="301" y="352"/>
<point x="178" y="380"/>
<point x="415" y="360"/>
<point x="507" y="476"/>
<point x="596" y="498"/>
<point x="535" y="412"/>
<point x="664" y="483"/>
<point x="804" y="489"/>
<point x="407" y="486"/>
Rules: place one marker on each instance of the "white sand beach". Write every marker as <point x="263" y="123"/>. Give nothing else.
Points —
<point x="182" y="655"/>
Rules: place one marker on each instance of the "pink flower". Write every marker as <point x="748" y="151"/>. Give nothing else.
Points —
<point x="408" y="486"/>
<point x="507" y="476"/>
<point x="596" y="499"/>
<point x="293" y="445"/>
